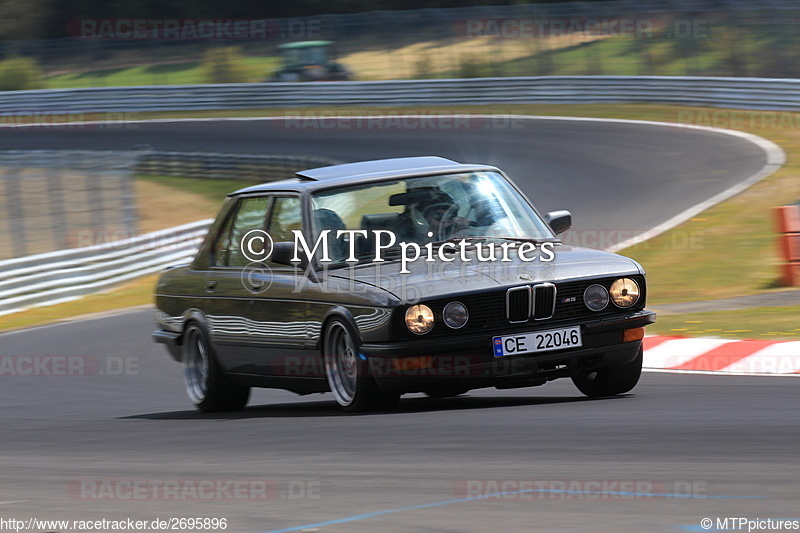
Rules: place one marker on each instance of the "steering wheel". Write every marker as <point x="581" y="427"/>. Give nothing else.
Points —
<point x="447" y="226"/>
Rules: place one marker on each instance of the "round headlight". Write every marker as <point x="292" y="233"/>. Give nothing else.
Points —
<point x="624" y="292"/>
<point x="455" y="315"/>
<point x="419" y="319"/>
<point x="595" y="297"/>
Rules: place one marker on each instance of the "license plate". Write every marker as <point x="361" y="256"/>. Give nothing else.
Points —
<point x="541" y="341"/>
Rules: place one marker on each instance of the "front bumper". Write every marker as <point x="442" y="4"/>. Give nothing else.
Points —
<point x="468" y="361"/>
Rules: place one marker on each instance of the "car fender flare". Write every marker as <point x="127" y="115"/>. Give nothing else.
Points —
<point x="193" y="315"/>
<point x="343" y="313"/>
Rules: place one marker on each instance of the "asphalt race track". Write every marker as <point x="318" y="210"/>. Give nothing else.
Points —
<point x="679" y="449"/>
<point x="721" y="445"/>
<point x="613" y="177"/>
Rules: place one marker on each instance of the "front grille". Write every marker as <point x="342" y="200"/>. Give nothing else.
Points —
<point x="518" y="304"/>
<point x="499" y="310"/>
<point x="544" y="301"/>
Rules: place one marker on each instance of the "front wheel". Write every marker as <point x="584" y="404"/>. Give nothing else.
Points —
<point x="610" y="381"/>
<point x="347" y="373"/>
<point x="205" y="383"/>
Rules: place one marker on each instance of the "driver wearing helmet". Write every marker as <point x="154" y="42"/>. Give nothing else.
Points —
<point x="430" y="215"/>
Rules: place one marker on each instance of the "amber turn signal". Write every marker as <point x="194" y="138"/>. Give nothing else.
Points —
<point x="635" y="334"/>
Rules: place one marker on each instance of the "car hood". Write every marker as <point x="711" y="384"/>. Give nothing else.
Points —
<point x="427" y="280"/>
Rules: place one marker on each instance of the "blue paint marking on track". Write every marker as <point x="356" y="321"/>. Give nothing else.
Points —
<point x="365" y="516"/>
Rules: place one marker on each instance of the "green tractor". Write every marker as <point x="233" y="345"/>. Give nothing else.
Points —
<point x="309" y="61"/>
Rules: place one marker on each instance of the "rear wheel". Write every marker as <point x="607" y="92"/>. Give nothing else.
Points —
<point x="610" y="381"/>
<point x="205" y="383"/>
<point x="347" y="373"/>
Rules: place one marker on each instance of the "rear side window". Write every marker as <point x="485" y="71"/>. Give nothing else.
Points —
<point x="250" y="214"/>
<point x="285" y="218"/>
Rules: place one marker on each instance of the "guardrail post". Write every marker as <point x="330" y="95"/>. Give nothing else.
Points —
<point x="16" y="214"/>
<point x="93" y="180"/>
<point x="58" y="215"/>
<point x="127" y="195"/>
<point x="788" y="225"/>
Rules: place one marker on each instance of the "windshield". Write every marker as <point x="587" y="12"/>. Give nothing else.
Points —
<point x="312" y="55"/>
<point x="427" y="209"/>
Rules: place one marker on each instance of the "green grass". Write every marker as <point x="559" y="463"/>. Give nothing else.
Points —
<point x="257" y="68"/>
<point x="132" y="293"/>
<point x="714" y="54"/>
<point x="619" y="56"/>
<point x="778" y="323"/>
<point x="214" y="190"/>
<point x="608" y="56"/>
<point x="710" y="53"/>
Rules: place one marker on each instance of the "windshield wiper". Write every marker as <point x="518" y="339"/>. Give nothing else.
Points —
<point x="388" y="254"/>
<point x="490" y="237"/>
<point x="527" y="239"/>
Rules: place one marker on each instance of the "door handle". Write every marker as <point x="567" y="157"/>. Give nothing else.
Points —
<point x="211" y="285"/>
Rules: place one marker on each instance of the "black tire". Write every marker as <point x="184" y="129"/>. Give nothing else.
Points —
<point x="610" y="381"/>
<point x="205" y="383"/>
<point x="348" y="374"/>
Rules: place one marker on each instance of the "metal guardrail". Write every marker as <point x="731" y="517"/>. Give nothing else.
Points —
<point x="48" y="198"/>
<point x="747" y="93"/>
<point x="67" y="274"/>
<point x="255" y="168"/>
<point x="60" y="199"/>
<point x="55" y="277"/>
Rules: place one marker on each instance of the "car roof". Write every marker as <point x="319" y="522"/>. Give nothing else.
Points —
<point x="363" y="171"/>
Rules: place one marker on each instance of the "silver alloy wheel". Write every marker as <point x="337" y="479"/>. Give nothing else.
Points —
<point x="196" y="365"/>
<point x="341" y="363"/>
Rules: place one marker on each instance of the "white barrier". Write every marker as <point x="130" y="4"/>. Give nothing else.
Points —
<point x="55" y="277"/>
<point x="742" y="93"/>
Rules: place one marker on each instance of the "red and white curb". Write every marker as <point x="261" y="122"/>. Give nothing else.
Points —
<point x="722" y="356"/>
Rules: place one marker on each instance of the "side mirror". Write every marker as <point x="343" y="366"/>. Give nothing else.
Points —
<point x="282" y="253"/>
<point x="559" y="221"/>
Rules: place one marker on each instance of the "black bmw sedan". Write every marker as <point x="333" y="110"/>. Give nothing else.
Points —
<point x="374" y="279"/>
